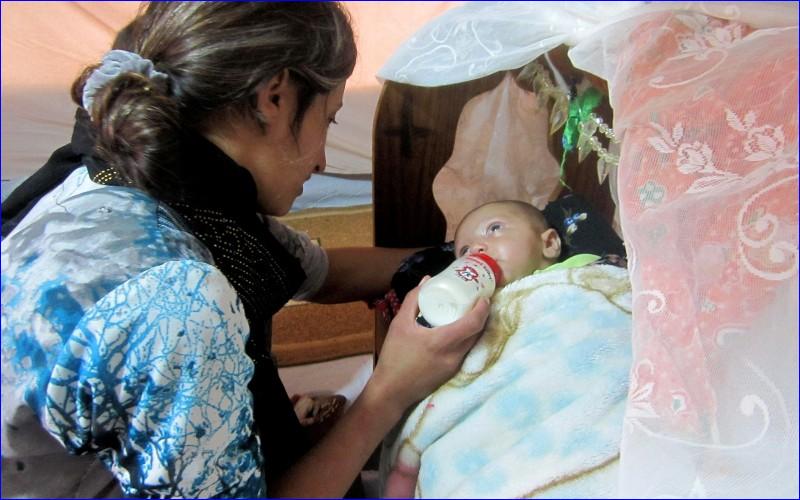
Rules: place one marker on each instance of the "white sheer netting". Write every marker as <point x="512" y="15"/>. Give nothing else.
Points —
<point x="477" y="39"/>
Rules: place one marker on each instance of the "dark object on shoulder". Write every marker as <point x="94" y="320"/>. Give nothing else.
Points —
<point x="429" y="261"/>
<point x="61" y="163"/>
<point x="581" y="228"/>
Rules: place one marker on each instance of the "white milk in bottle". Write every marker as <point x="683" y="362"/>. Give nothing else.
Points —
<point x="447" y="296"/>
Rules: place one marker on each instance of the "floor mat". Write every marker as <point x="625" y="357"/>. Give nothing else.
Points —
<point x="304" y="332"/>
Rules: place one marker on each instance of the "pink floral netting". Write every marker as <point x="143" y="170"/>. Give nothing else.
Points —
<point x="708" y="192"/>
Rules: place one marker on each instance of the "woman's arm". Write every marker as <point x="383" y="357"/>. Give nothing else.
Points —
<point x="338" y="275"/>
<point x="155" y="376"/>
<point x="414" y="361"/>
<point x="359" y="273"/>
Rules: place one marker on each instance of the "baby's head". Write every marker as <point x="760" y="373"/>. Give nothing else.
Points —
<point x="514" y="233"/>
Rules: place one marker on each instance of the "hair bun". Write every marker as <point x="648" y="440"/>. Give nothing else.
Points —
<point x="115" y="63"/>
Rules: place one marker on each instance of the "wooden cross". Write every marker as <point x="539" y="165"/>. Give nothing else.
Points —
<point x="407" y="130"/>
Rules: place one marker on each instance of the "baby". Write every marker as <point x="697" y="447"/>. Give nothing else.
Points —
<point x="517" y="236"/>
<point x="541" y="396"/>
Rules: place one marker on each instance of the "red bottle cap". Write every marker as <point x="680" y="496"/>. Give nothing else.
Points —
<point x="498" y="273"/>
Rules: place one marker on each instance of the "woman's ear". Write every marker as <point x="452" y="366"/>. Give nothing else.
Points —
<point x="551" y="244"/>
<point x="274" y="97"/>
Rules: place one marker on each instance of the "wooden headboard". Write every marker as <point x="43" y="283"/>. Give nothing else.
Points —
<point x="413" y="138"/>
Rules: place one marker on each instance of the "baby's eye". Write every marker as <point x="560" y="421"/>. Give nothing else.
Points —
<point x="463" y="251"/>
<point x="494" y="227"/>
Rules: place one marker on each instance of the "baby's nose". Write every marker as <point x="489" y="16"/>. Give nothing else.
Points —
<point x="478" y="248"/>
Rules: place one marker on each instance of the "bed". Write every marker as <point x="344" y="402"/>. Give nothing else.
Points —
<point x="703" y="98"/>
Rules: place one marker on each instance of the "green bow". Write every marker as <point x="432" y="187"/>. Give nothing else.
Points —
<point x="580" y="109"/>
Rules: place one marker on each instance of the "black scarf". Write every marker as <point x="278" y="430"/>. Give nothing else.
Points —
<point x="220" y="209"/>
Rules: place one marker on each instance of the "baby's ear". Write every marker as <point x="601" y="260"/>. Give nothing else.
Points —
<point x="551" y="244"/>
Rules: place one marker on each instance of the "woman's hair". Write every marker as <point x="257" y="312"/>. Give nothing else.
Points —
<point x="216" y="55"/>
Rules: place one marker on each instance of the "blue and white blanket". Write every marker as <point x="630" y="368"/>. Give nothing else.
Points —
<point x="537" y="407"/>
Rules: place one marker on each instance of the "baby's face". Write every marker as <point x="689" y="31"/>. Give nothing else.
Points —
<point x="506" y="235"/>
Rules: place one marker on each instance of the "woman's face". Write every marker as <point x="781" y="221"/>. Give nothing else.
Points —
<point x="281" y="158"/>
<point x="297" y="154"/>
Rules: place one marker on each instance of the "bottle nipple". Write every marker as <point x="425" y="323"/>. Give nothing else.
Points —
<point x="450" y="294"/>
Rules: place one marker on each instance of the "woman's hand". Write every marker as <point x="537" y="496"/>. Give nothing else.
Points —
<point x="416" y="360"/>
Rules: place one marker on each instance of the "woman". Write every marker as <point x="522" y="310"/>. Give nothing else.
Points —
<point x="138" y="291"/>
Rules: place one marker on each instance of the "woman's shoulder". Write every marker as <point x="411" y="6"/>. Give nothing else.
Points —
<point x="83" y="222"/>
<point x="81" y="242"/>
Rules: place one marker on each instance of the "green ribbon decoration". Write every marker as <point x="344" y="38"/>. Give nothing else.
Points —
<point x="580" y="108"/>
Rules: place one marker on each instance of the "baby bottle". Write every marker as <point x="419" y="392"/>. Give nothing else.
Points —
<point x="450" y="294"/>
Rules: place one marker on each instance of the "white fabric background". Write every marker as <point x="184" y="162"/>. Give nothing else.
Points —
<point x="45" y="45"/>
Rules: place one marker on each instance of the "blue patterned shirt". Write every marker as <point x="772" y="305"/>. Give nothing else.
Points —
<point x="123" y="341"/>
